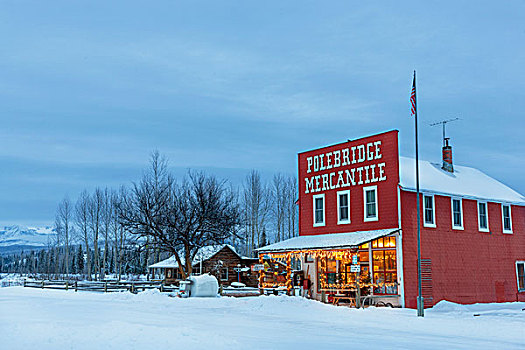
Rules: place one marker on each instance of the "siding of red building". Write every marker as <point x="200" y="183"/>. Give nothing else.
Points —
<point x="465" y="266"/>
<point x="387" y="190"/>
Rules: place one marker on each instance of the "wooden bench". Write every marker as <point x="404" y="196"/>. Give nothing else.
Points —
<point x="338" y="298"/>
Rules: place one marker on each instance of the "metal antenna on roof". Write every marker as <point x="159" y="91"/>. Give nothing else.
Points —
<point x="444" y="123"/>
<point x="447" y="149"/>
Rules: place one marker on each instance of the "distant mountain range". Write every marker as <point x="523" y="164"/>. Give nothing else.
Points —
<point x="16" y="238"/>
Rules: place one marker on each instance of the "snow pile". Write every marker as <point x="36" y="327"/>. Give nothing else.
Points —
<point x="238" y="285"/>
<point x="447" y="306"/>
<point x="507" y="309"/>
<point x="11" y="279"/>
<point x="203" y="286"/>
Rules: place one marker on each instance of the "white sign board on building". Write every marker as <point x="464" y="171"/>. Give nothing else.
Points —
<point x="257" y="267"/>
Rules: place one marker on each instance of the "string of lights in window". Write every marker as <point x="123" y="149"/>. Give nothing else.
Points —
<point x="345" y="256"/>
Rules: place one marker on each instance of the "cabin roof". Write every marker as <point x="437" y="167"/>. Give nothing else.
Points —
<point x="203" y="254"/>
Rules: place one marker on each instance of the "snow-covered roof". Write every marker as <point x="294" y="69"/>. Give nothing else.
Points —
<point x="331" y="241"/>
<point x="464" y="181"/>
<point x="203" y="253"/>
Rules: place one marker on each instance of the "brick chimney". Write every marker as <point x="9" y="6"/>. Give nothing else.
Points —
<point x="447" y="157"/>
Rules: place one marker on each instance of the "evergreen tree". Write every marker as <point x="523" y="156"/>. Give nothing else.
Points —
<point x="79" y="261"/>
<point x="51" y="262"/>
<point x="92" y="254"/>
<point x="40" y="267"/>
<point x="263" y="238"/>
<point x="110" y="262"/>
<point x="72" y="261"/>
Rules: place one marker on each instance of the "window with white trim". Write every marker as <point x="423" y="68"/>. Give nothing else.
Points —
<point x="429" y="214"/>
<point x="370" y="200"/>
<point x="319" y="210"/>
<point x="224" y="274"/>
<point x="343" y="207"/>
<point x="520" y="274"/>
<point x="457" y="213"/>
<point x="506" y="218"/>
<point x="483" y="217"/>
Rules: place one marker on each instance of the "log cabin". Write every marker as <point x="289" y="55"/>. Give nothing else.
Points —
<point x="220" y="260"/>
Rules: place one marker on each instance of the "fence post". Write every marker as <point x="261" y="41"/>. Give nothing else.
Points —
<point x="161" y="289"/>
<point x="105" y="287"/>
<point x="24" y="283"/>
<point x="76" y="286"/>
<point x="67" y="285"/>
<point x="42" y="284"/>
<point x="131" y="289"/>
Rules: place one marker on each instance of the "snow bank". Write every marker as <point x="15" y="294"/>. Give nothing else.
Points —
<point x="12" y="279"/>
<point x="447" y="307"/>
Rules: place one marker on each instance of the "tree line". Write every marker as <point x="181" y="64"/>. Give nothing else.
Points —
<point x="49" y="262"/>
<point x="121" y="231"/>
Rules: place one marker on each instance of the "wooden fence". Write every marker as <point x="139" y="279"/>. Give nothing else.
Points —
<point x="99" y="286"/>
<point x="122" y="286"/>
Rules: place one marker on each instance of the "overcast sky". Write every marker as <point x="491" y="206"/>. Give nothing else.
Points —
<point x="88" y="89"/>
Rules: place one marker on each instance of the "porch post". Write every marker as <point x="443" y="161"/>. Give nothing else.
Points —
<point x="289" y="273"/>
<point x="261" y="274"/>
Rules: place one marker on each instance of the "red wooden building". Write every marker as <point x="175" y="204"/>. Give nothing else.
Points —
<point x="357" y="222"/>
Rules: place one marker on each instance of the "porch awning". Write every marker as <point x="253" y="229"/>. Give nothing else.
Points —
<point x="328" y="241"/>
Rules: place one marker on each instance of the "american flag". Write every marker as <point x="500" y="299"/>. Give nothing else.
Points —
<point x="413" y="96"/>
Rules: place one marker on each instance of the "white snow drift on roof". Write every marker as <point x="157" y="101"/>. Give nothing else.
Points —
<point x="169" y="262"/>
<point x="464" y="181"/>
<point x="331" y="241"/>
<point x="203" y="254"/>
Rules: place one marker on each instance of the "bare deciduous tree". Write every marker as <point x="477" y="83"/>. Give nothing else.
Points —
<point x="106" y="226"/>
<point x="82" y="217"/>
<point x="64" y="228"/>
<point x="96" y="211"/>
<point x="291" y="209"/>
<point x="256" y="208"/>
<point x="179" y="218"/>
<point x="118" y="233"/>
<point x="279" y="194"/>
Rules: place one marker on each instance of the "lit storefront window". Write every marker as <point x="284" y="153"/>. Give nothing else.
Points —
<point x="384" y="265"/>
<point x="334" y="271"/>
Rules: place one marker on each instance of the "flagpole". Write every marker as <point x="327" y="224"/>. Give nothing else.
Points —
<point x="420" y="303"/>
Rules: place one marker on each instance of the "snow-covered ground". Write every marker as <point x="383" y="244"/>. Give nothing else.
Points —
<point x="56" y="319"/>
